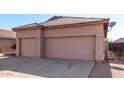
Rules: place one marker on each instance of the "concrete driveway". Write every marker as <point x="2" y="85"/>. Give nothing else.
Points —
<point x="44" y="67"/>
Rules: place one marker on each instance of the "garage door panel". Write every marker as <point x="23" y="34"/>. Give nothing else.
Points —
<point x="70" y="47"/>
<point x="28" y="47"/>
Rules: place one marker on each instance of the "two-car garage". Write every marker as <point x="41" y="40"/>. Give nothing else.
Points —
<point x="82" y="48"/>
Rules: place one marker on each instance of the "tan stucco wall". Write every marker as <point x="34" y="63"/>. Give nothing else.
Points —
<point x="28" y="34"/>
<point x="100" y="48"/>
<point x="75" y="31"/>
<point x="88" y="30"/>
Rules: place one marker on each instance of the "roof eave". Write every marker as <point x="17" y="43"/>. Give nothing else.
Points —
<point x="27" y="28"/>
<point x="8" y="37"/>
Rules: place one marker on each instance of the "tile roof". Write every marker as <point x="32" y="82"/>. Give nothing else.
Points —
<point x="63" y="20"/>
<point x="28" y="25"/>
<point x="120" y="40"/>
<point x="70" y="20"/>
<point x="7" y="34"/>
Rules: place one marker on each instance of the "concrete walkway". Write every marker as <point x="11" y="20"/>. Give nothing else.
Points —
<point x="41" y="67"/>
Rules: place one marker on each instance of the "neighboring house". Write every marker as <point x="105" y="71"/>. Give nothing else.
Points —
<point x="7" y="39"/>
<point x="116" y="49"/>
<point x="120" y="40"/>
<point x="63" y="37"/>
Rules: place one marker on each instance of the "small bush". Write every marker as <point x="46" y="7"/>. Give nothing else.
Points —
<point x="13" y="46"/>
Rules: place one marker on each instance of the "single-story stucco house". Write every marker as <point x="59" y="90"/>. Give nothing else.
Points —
<point x="7" y="40"/>
<point x="63" y="37"/>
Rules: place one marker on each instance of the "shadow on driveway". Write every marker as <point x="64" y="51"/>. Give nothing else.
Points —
<point x="43" y="67"/>
<point x="101" y="70"/>
<point x="117" y="68"/>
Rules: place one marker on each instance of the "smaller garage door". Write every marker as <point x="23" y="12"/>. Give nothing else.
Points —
<point x="28" y="48"/>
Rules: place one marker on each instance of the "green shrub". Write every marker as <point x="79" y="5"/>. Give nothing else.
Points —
<point x="13" y="46"/>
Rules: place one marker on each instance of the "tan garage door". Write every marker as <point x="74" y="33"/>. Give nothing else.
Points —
<point x="70" y="47"/>
<point x="28" y="47"/>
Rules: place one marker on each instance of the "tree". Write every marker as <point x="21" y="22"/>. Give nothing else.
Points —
<point x="108" y="40"/>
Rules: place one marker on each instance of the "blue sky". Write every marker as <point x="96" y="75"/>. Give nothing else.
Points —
<point x="8" y="21"/>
